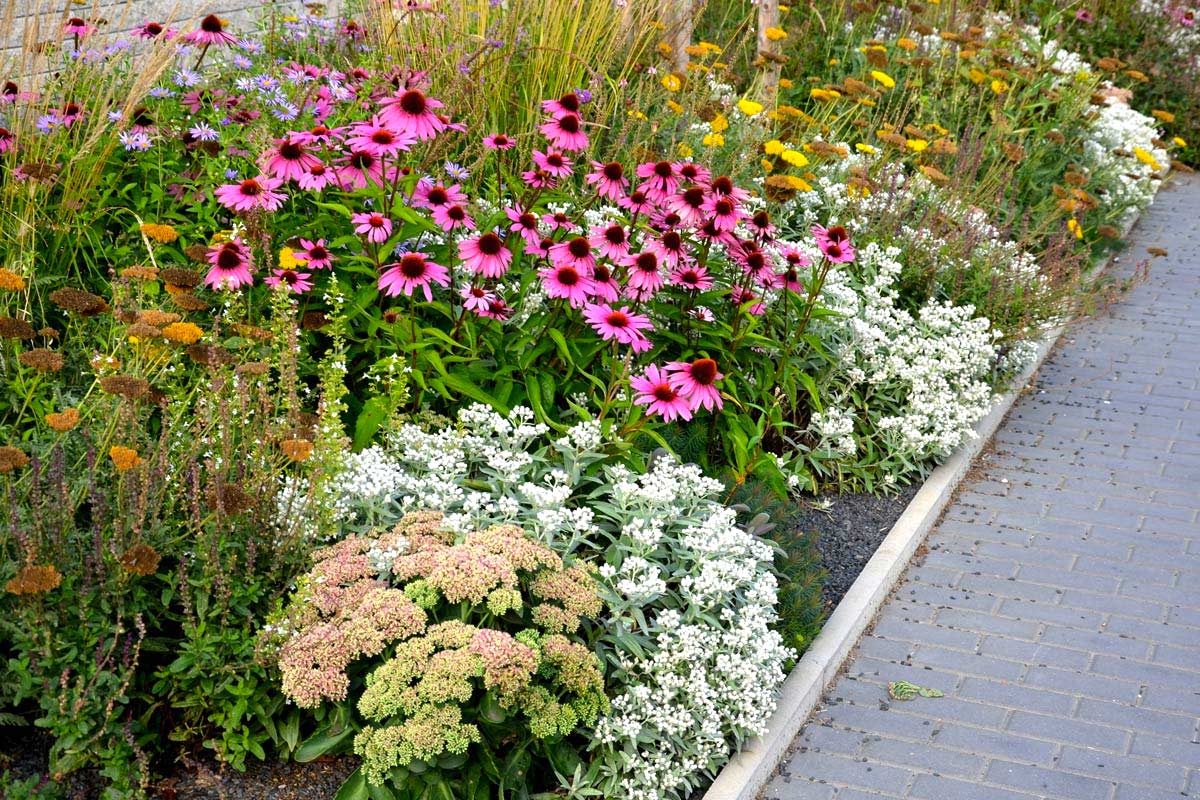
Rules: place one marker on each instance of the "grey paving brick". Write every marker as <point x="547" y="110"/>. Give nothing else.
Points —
<point x="1012" y="695"/>
<point x="937" y="787"/>
<point x="997" y="744"/>
<point x="1136" y="718"/>
<point x="926" y="633"/>
<point x="1062" y="729"/>
<point x="1117" y="569"/>
<point x="787" y="788"/>
<point x="1034" y="653"/>
<point x="1130" y="792"/>
<point x="1010" y="587"/>
<point x="1144" y="672"/>
<point x="1097" y="686"/>
<point x="846" y="793"/>
<point x="1095" y="642"/>
<point x="966" y="663"/>
<point x="986" y="623"/>
<point x="1163" y="632"/>
<point x="1124" y="606"/>
<point x="822" y="739"/>
<point x="1046" y="612"/>
<point x="1047" y="782"/>
<point x="1176" y="700"/>
<point x="921" y="757"/>
<point x="849" y="772"/>
<point x="1124" y="769"/>
<point x="1162" y="748"/>
<point x="1066" y="579"/>
<point x="884" y="649"/>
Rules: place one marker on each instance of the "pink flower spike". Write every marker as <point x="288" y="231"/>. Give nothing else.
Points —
<point x="695" y="382"/>
<point x="485" y="255"/>
<point x="659" y="396"/>
<point x="413" y="271"/>
<point x="317" y="254"/>
<point x="553" y="163"/>
<point x="412" y="112"/>
<point x="609" y="180"/>
<point x="565" y="132"/>
<point x="251" y="193"/>
<point x="619" y="324"/>
<point x="297" y="282"/>
<point x="376" y="227"/>
<point x="498" y="141"/>
<point x="566" y="282"/>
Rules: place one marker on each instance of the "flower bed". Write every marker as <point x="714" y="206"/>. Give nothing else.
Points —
<point x="353" y="407"/>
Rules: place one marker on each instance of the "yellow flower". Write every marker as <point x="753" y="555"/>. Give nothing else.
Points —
<point x="713" y="140"/>
<point x="637" y="114"/>
<point x="784" y="9"/>
<point x="773" y="147"/>
<point x="1165" y="116"/>
<point x="63" y="421"/>
<point x="865" y="148"/>
<point x="824" y="95"/>
<point x="917" y="145"/>
<point x="976" y="75"/>
<point x="905" y="43"/>
<point x="183" y="332"/>
<point x="786" y="83"/>
<point x="672" y="83"/>
<point x="124" y="458"/>
<point x="999" y="86"/>
<point x="718" y="124"/>
<point x="1146" y="158"/>
<point x="684" y="149"/>
<point x="163" y="234"/>
<point x="11" y="281"/>
<point x="799" y="184"/>
<point x="288" y="260"/>
<point x="678" y="109"/>
<point x="938" y="129"/>
<point x="1179" y="142"/>
<point x="749" y="107"/>
<point x="796" y="159"/>
<point x="857" y="190"/>
<point x="767" y="165"/>
<point x="887" y="81"/>
<point x="775" y="34"/>
<point x="664" y="48"/>
<point x="1074" y="227"/>
<point x="833" y="62"/>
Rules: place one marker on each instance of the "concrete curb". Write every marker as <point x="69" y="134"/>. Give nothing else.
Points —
<point x="744" y="777"/>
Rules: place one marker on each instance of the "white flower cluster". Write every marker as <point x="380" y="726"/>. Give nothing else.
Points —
<point x="1123" y="161"/>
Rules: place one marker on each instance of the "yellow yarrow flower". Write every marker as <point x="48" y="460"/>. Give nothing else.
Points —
<point x="917" y="145"/>
<point x="1165" y="116"/>
<point x="749" y="107"/>
<point x="11" y="281"/>
<point x="719" y="124"/>
<point x="713" y="140"/>
<point x="184" y="332"/>
<point x="1179" y="142"/>
<point x="1074" y="227"/>
<point x="773" y="147"/>
<point x="885" y="80"/>
<point x="685" y="149"/>
<point x="865" y="148"/>
<point x="999" y="86"/>
<point x="671" y="83"/>
<point x="905" y="43"/>
<point x="1147" y="158"/>
<point x="795" y="158"/>
<point x="799" y="184"/>
<point x="124" y="458"/>
<point x="824" y="95"/>
<point x="767" y="165"/>
<point x="976" y="75"/>
<point x="775" y="34"/>
<point x="678" y="109"/>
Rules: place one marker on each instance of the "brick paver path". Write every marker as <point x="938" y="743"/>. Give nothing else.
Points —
<point x="1058" y="607"/>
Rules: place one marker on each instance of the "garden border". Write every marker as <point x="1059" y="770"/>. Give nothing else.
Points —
<point x="749" y="771"/>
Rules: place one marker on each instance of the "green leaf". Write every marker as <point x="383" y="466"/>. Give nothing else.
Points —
<point x="463" y="386"/>
<point x="374" y="413"/>
<point x="354" y="788"/>
<point x="338" y="207"/>
<point x="319" y="744"/>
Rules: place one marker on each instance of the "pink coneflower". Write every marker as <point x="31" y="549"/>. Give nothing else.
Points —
<point x="485" y="255"/>
<point x="376" y="227"/>
<point x="499" y="141"/>
<point x="695" y="382"/>
<point x="611" y="241"/>
<point x="77" y="27"/>
<point x="566" y="282"/>
<point x="553" y="163"/>
<point x="690" y="206"/>
<point x="540" y="248"/>
<point x="524" y="223"/>
<point x="620" y="324"/>
<point x="835" y="233"/>
<point x="645" y="276"/>
<point x="659" y="396"/>
<point x="671" y="248"/>
<point x="789" y="279"/>
<point x="427" y="194"/>
<point x="412" y="112"/>
<point x="661" y="180"/>
<point x="358" y="169"/>
<point x="318" y="134"/>
<point x="7" y="139"/>
<point x="839" y="252"/>
<point x="709" y="231"/>
<point x="379" y="139"/>
<point x="211" y="31"/>
<point x="557" y="220"/>
<point x="453" y="216"/>
<point x="724" y="212"/>
<point x="476" y="298"/>
<point x="497" y="309"/>
<point x="569" y="103"/>
<point x="725" y="187"/>
<point x="565" y="132"/>
<point x="538" y="179"/>
<point x="317" y="254"/>
<point x="693" y="277"/>
<point x="740" y="296"/>
<point x="1083" y="15"/>
<point x="693" y="172"/>
<point x="296" y="282"/>
<point x="757" y="264"/>
<point x="154" y="30"/>
<point x="761" y="225"/>
<point x="413" y="271"/>
<point x="316" y="178"/>
<point x="604" y="285"/>
<point x="575" y="252"/>
<point x="288" y="160"/>
<point x="637" y="202"/>
<point x="609" y="179"/>
<point x="231" y="266"/>
<point x="251" y="193"/>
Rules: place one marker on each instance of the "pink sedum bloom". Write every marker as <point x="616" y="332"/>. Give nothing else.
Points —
<point x="695" y="381"/>
<point x="620" y="324"/>
<point x="414" y="271"/>
<point x="251" y="193"/>
<point x="376" y="227"/>
<point x="654" y="390"/>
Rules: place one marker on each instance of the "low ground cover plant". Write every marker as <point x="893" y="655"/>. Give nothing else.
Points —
<point x="354" y="407"/>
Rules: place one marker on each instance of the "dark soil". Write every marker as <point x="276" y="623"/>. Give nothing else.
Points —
<point x="848" y="531"/>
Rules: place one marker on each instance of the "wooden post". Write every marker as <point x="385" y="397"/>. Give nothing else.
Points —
<point x="769" y="52"/>
<point x="680" y="18"/>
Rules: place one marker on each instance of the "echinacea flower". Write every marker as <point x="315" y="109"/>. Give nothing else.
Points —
<point x="609" y="180"/>
<point x="376" y="227"/>
<point x="154" y="30"/>
<point x="637" y="202"/>
<point x="694" y="277"/>
<point x="724" y="212"/>
<point x="575" y="252"/>
<point x="761" y="224"/>
<point x="499" y="141"/>
<point x="412" y="112"/>
<point x="834" y="233"/>
<point x="671" y="248"/>
<point x="538" y="179"/>
<point x="645" y="275"/>
<point x="296" y="282"/>
<point x="413" y="271"/>
<point x="378" y="138"/>
<point x="566" y="282"/>
<point x="452" y="216"/>
<point x="316" y="178"/>
<point x="620" y="324"/>
<point x="485" y="255"/>
<point x="553" y="163"/>
<point x="654" y="390"/>
<point x="251" y="193"/>
<point x="77" y="27"/>
<point x="692" y="172"/>
<point x="316" y="254"/>
<point x="611" y="241"/>
<point x="695" y="381"/>
<point x="476" y="298"/>
<point x="524" y="223"/>
<point x="691" y="205"/>
<point x="318" y="134"/>
<point x="569" y="103"/>
<point x="837" y="252"/>
<point x="604" y="285"/>
<point x="724" y="186"/>
<point x="661" y="180"/>
<point x="288" y="160"/>
<point x="359" y="168"/>
<point x="427" y="194"/>
<point x="231" y="266"/>
<point x="565" y="132"/>
<point x="211" y="32"/>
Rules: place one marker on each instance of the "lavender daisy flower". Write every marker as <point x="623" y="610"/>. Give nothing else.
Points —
<point x="456" y="171"/>
<point x="204" y="132"/>
<point x="135" y="140"/>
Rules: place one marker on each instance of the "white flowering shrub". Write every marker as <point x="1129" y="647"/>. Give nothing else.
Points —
<point x="1117" y="132"/>
<point x="693" y="662"/>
